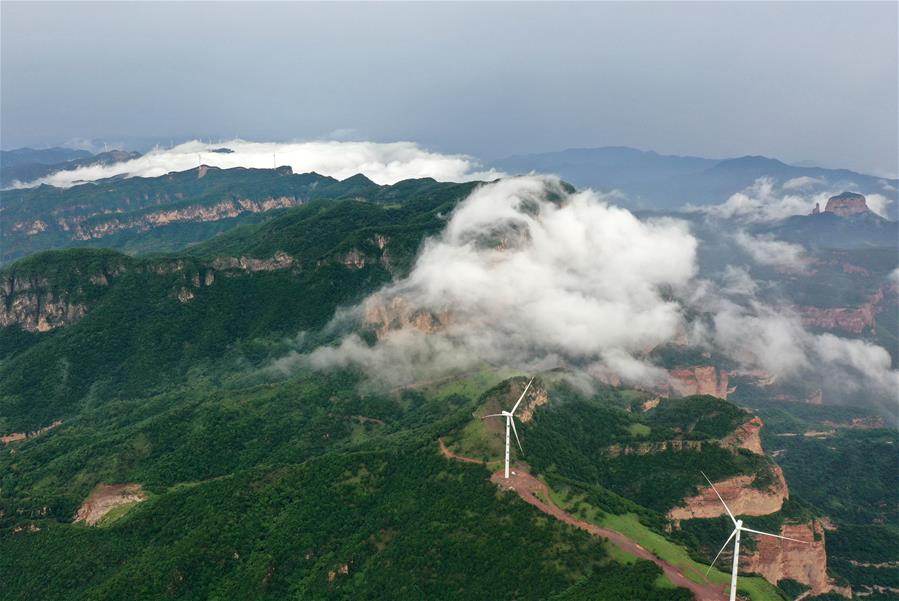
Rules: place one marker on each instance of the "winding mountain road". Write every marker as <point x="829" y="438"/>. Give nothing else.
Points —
<point x="527" y="487"/>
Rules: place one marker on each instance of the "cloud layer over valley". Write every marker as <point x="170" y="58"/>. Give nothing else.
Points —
<point x="765" y="201"/>
<point x="530" y="275"/>
<point x="385" y="163"/>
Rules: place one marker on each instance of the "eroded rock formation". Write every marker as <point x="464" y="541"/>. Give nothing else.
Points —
<point x="846" y="204"/>
<point x="740" y="496"/>
<point x="397" y="314"/>
<point x="705" y="379"/>
<point x="848" y="319"/>
<point x="93" y="228"/>
<point x="746" y="436"/>
<point x="777" y="559"/>
<point x="104" y="498"/>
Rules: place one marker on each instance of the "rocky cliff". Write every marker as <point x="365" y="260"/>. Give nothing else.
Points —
<point x="34" y="303"/>
<point x="705" y="379"/>
<point x="846" y="204"/>
<point x="39" y="303"/>
<point x="777" y="559"/>
<point x="740" y="496"/>
<point x="396" y="313"/>
<point x="746" y="436"/>
<point x="98" y="227"/>
<point x="848" y="319"/>
<point x="742" y="493"/>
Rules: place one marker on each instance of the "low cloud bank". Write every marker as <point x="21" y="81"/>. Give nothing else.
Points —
<point x="530" y="276"/>
<point x="382" y="163"/>
<point x="767" y="250"/>
<point x="765" y="201"/>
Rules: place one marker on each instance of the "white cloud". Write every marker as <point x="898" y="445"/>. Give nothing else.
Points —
<point x="767" y="250"/>
<point x="382" y="163"/>
<point x="870" y="361"/>
<point x="758" y="203"/>
<point x="878" y="203"/>
<point x="528" y="276"/>
<point x="525" y="280"/>
<point x="737" y="281"/>
<point x="763" y="202"/>
<point x="803" y="183"/>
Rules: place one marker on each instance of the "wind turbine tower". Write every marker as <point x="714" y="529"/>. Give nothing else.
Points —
<point x="510" y="424"/>
<point x="738" y="528"/>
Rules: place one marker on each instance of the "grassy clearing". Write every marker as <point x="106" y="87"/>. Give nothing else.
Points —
<point x="639" y="429"/>
<point x="757" y="588"/>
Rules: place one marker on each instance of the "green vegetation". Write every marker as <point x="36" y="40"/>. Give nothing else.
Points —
<point x="265" y="493"/>
<point x="605" y="509"/>
<point x="644" y="457"/>
<point x="267" y="481"/>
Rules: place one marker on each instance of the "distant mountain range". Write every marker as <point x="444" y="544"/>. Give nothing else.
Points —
<point x="173" y="211"/>
<point x="28" y="164"/>
<point x="656" y="181"/>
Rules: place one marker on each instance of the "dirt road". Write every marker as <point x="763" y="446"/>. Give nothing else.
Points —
<point x="527" y="488"/>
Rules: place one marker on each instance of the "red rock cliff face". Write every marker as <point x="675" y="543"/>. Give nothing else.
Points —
<point x="739" y="495"/>
<point x="777" y="559"/>
<point x="738" y="492"/>
<point x="846" y="204"/>
<point x="704" y="379"/>
<point x="746" y="436"/>
<point x="847" y="319"/>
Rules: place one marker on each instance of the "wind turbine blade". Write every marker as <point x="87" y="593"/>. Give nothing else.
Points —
<point x="512" y="421"/>
<point x="795" y="540"/>
<point x="522" y="396"/>
<point x="727" y="542"/>
<point x="492" y="415"/>
<point x="726" y="508"/>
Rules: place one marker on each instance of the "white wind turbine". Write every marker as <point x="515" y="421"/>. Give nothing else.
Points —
<point x="738" y="527"/>
<point x="511" y="422"/>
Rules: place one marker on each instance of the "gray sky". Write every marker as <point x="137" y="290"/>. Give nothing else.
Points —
<point x="801" y="81"/>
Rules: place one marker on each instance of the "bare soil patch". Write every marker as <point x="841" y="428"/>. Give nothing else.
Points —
<point x="106" y="497"/>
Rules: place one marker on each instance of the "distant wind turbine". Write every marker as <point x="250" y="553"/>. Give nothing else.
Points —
<point x="510" y="422"/>
<point x="738" y="527"/>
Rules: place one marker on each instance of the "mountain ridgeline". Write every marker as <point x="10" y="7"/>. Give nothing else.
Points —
<point x="155" y="415"/>
<point x="665" y="182"/>
<point x="173" y="211"/>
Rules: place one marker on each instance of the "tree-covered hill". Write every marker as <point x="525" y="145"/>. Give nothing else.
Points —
<point x="170" y="212"/>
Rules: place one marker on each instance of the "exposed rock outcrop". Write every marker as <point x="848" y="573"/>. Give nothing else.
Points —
<point x="740" y="496"/>
<point x="17" y="436"/>
<point x="280" y="260"/>
<point x="90" y="229"/>
<point x="105" y="497"/>
<point x="746" y="436"/>
<point x="777" y="559"/>
<point x="536" y="397"/>
<point x="35" y="304"/>
<point x="397" y="314"/>
<point x="31" y="303"/>
<point x="649" y="448"/>
<point x="846" y="204"/>
<point x="706" y="379"/>
<point x="854" y="320"/>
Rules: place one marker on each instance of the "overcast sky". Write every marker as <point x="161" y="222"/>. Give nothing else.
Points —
<point x="801" y="81"/>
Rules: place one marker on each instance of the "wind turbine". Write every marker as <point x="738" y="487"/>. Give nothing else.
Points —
<point x="511" y="423"/>
<point x="738" y="528"/>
